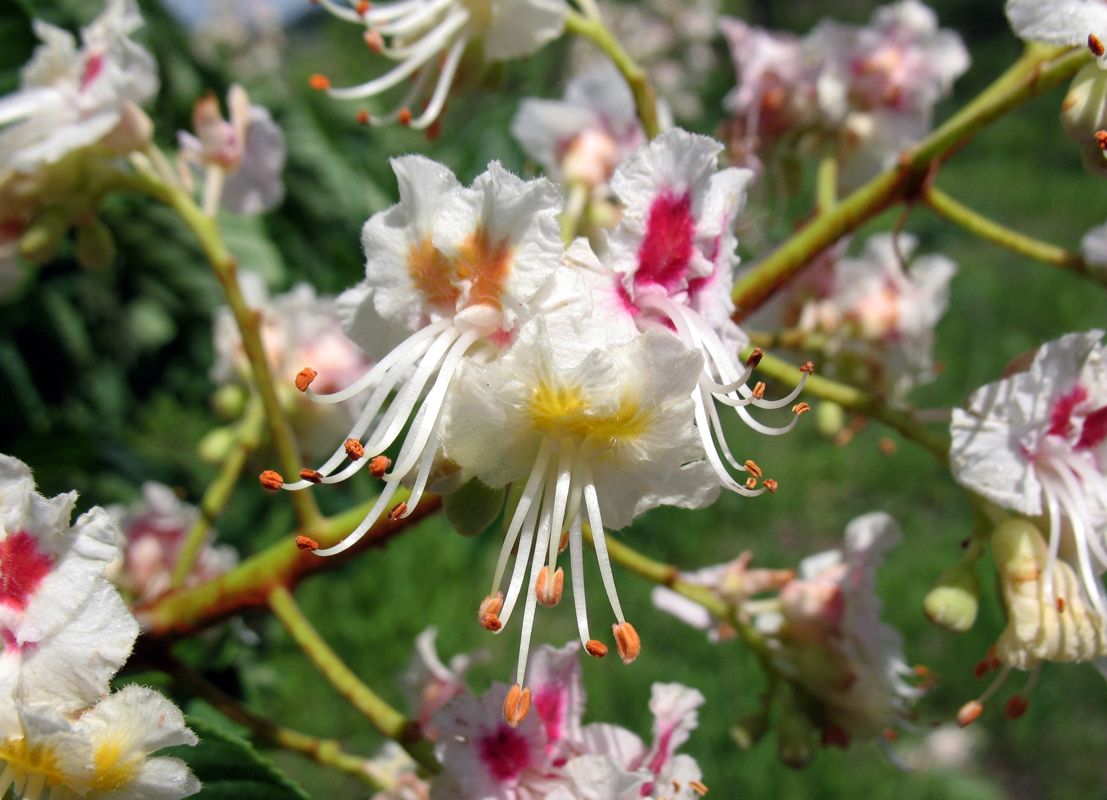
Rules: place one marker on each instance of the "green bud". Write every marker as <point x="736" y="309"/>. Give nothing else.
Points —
<point x="795" y="739"/>
<point x="830" y="418"/>
<point x="1084" y="109"/>
<point x="95" y="245"/>
<point x="42" y="238"/>
<point x="216" y="445"/>
<point x="228" y="401"/>
<point x="473" y="507"/>
<point x="749" y="729"/>
<point x="955" y="598"/>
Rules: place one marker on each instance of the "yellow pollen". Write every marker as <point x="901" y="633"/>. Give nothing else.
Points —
<point x="25" y="759"/>
<point x="561" y="411"/>
<point x="115" y="765"/>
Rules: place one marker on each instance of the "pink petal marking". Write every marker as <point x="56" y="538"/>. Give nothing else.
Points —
<point x="1095" y="429"/>
<point x="505" y="753"/>
<point x="22" y="568"/>
<point x="93" y="67"/>
<point x="668" y="245"/>
<point x="551" y="704"/>
<point x="1060" y="418"/>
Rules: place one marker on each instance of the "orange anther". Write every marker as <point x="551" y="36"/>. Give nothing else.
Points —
<point x="698" y="787"/>
<point x="759" y="389"/>
<point x="271" y="480"/>
<point x="771" y="485"/>
<point x="755" y="357"/>
<point x="405" y="116"/>
<point x="398" y="510"/>
<point x="354" y="450"/>
<point x="800" y="408"/>
<point x="319" y="82"/>
<point x="549" y="591"/>
<point x="1095" y="45"/>
<point x="488" y="615"/>
<point x="561" y="545"/>
<point x="304" y="378"/>
<point x="627" y="641"/>
<point x="808" y="367"/>
<point x="310" y="475"/>
<point x="753" y="469"/>
<point x="304" y="543"/>
<point x="516" y="705"/>
<point x="1060" y="605"/>
<point x="890" y="735"/>
<point x="751" y="482"/>
<point x="363" y="7"/>
<point x="1101" y="139"/>
<point x="595" y="648"/>
<point x="1016" y="706"/>
<point x="362" y="117"/>
<point x="379" y="465"/>
<point x="969" y="712"/>
<point x="375" y="41"/>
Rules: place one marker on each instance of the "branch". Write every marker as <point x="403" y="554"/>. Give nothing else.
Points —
<point x="384" y="717"/>
<point x="1038" y="70"/>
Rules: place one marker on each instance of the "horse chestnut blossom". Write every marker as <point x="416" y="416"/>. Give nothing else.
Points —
<point x="1034" y="443"/>
<point x="672" y="261"/>
<point x="155" y="531"/>
<point x="1060" y="22"/>
<point x="71" y="97"/>
<point x="553" y="755"/>
<point x="241" y="160"/>
<point x="586" y="428"/>
<point x="66" y="632"/>
<point x="461" y="267"/>
<point x="431" y="37"/>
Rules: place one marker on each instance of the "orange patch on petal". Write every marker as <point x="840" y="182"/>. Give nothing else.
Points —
<point x="432" y="272"/>
<point x="486" y="264"/>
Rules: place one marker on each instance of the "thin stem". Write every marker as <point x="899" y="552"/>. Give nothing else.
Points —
<point x="247" y="586"/>
<point x="645" y="99"/>
<point x="384" y="717"/>
<point x="856" y="400"/>
<point x="826" y="184"/>
<point x="327" y="752"/>
<point x="1038" y="70"/>
<point x="225" y="267"/>
<point x="992" y="231"/>
<point x="247" y="439"/>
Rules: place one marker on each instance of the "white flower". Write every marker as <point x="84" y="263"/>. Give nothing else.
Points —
<point x="832" y="633"/>
<point x="1034" y="443"/>
<point x="431" y="36"/>
<point x="1059" y="22"/>
<point x="72" y="97"/>
<point x="242" y="159"/>
<point x="155" y="531"/>
<point x="602" y="430"/>
<point x="673" y="258"/>
<point x="461" y="267"/>
<point x="586" y="135"/>
<point x="433" y="683"/>
<point x="1094" y="247"/>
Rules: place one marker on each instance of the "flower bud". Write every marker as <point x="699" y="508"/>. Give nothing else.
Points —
<point x="95" y="245"/>
<point x="216" y="445"/>
<point x="229" y="401"/>
<point x="1084" y="109"/>
<point x="795" y="739"/>
<point x="42" y="238"/>
<point x="473" y="507"/>
<point x="830" y="418"/>
<point x="955" y="598"/>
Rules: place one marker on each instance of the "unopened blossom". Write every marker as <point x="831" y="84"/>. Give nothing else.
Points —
<point x="831" y="632"/>
<point x="775" y="96"/>
<point x="879" y="83"/>
<point x="884" y="309"/>
<point x="671" y="261"/>
<point x="241" y="159"/>
<point x="155" y="531"/>
<point x="1034" y="443"/>
<point x="583" y="137"/>
<point x="73" y="96"/>
<point x="586" y="428"/>
<point x="457" y="269"/>
<point x="430" y="39"/>
<point x="298" y="328"/>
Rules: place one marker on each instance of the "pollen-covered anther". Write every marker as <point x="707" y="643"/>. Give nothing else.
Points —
<point x="595" y="648"/>
<point x="1096" y="46"/>
<point x="755" y="357"/>
<point x="800" y="408"/>
<point x="563" y="543"/>
<point x="698" y="787"/>
<point x="271" y="480"/>
<point x="753" y="469"/>
<point x="397" y="511"/>
<point x="1015" y="707"/>
<point x="759" y="390"/>
<point x="375" y="41"/>
<point x="354" y="449"/>
<point x="808" y="367"/>
<point x="311" y="475"/>
<point x="1101" y="139"/>
<point x="1060" y="605"/>
<point x="362" y="117"/>
<point x="771" y="485"/>
<point x="627" y="641"/>
<point x="379" y="465"/>
<point x="306" y="543"/>
<point x="969" y="713"/>
<point x="319" y="82"/>
<point x="304" y="378"/>
<point x="549" y="591"/>
<point x="405" y="116"/>
<point x="488" y="615"/>
<point x="751" y="483"/>
<point x="516" y="705"/>
<point x="363" y="7"/>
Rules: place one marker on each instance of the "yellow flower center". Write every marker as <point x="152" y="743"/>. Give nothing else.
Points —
<point x="561" y="411"/>
<point x="27" y="758"/>
<point x="116" y="764"/>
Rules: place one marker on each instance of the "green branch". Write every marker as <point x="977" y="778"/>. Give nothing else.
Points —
<point x="384" y="717"/>
<point x="1038" y="70"/>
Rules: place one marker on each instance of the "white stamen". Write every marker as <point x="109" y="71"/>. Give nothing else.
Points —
<point x="420" y="16"/>
<point x="533" y="487"/>
<point x="342" y="12"/>
<point x="367" y="523"/>
<point x="561" y="499"/>
<point x="544" y="533"/>
<point x="591" y="501"/>
<point x="537" y="517"/>
<point x="576" y="564"/>
<point x="442" y="87"/>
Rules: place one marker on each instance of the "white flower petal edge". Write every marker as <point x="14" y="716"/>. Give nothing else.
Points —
<point x="1058" y="21"/>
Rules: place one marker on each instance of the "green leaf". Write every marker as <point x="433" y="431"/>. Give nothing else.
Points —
<point x="230" y="767"/>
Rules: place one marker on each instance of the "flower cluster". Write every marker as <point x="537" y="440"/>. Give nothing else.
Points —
<point x="868" y="91"/>
<point x="588" y="383"/>
<point x="66" y="632"/>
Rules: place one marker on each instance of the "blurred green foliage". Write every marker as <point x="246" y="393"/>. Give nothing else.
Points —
<point x="108" y="386"/>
